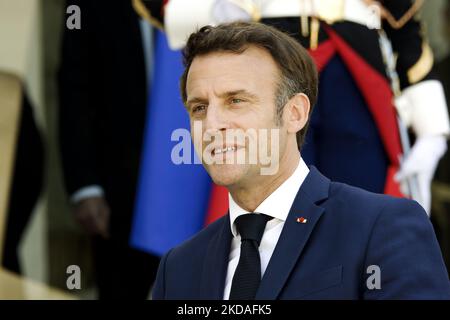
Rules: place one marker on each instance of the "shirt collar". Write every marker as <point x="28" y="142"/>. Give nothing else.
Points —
<point x="278" y="203"/>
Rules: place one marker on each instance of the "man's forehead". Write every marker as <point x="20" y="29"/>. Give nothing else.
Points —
<point x="250" y="52"/>
<point x="232" y="69"/>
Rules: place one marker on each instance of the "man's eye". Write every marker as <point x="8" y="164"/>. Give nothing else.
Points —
<point x="236" y="100"/>
<point x="199" y="108"/>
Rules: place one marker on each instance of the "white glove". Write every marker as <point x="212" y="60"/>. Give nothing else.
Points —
<point x="423" y="107"/>
<point x="420" y="164"/>
<point x="229" y="11"/>
<point x="182" y="17"/>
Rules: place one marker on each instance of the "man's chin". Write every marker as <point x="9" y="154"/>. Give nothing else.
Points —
<point x="224" y="181"/>
<point x="225" y="175"/>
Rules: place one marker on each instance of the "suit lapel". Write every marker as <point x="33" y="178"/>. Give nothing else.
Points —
<point x="295" y="235"/>
<point x="216" y="263"/>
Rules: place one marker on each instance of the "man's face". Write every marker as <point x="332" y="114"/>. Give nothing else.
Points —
<point x="230" y="94"/>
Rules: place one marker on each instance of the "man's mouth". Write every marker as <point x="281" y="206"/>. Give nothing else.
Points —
<point x="217" y="151"/>
<point x="223" y="150"/>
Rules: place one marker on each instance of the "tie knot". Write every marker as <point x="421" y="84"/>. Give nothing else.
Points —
<point x="251" y="226"/>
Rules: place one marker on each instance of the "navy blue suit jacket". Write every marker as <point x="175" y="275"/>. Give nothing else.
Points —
<point x="347" y="230"/>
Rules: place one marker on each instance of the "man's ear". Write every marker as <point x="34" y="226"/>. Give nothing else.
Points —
<point x="296" y="112"/>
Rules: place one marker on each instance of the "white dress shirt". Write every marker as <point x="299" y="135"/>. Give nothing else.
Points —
<point x="276" y="205"/>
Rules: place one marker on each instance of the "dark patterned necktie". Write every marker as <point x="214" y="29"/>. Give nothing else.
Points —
<point x="247" y="276"/>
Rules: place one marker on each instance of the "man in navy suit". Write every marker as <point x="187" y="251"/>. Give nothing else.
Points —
<point x="290" y="234"/>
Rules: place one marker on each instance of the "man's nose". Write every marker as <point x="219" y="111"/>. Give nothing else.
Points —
<point x="216" y="119"/>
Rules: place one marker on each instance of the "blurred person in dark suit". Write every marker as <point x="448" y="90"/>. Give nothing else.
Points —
<point x="26" y="185"/>
<point x="103" y="93"/>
